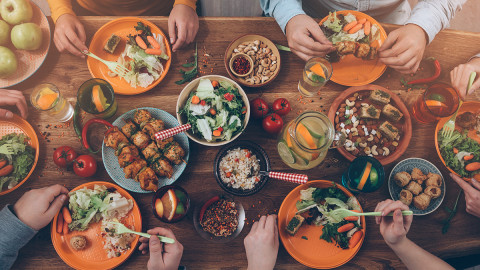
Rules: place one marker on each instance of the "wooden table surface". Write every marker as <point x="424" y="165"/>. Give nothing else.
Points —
<point x="68" y="73"/>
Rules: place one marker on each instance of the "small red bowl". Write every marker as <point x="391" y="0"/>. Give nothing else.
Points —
<point x="159" y="194"/>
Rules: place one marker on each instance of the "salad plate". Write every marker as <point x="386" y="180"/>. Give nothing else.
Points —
<point x="110" y="160"/>
<point x="93" y="256"/>
<point x="465" y="143"/>
<point x="306" y="246"/>
<point x="351" y="70"/>
<point x="122" y="28"/>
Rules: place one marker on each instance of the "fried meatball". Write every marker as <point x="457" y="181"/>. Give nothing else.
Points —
<point x="414" y="187"/>
<point x="175" y="153"/>
<point x="147" y="178"/>
<point x="406" y="197"/>
<point x="402" y="178"/>
<point x="140" y="139"/>
<point x="433" y="191"/>
<point x="362" y="50"/>
<point x="152" y="127"/>
<point x="132" y="170"/>
<point x="162" y="167"/>
<point x="421" y="201"/>
<point x="78" y="242"/>
<point x="164" y="143"/>
<point x="128" y="155"/>
<point x="434" y="180"/>
<point x="129" y="128"/>
<point x="141" y="116"/>
<point x="418" y="175"/>
<point x="114" y="137"/>
<point x="151" y="152"/>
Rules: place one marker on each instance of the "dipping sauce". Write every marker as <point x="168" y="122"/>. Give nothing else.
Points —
<point x="241" y="65"/>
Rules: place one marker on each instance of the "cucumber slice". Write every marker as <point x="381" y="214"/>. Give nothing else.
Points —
<point x="285" y="153"/>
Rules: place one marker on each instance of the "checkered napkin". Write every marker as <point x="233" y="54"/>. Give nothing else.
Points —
<point x="289" y="177"/>
<point x="167" y="133"/>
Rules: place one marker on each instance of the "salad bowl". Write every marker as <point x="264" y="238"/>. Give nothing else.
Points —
<point x="228" y="133"/>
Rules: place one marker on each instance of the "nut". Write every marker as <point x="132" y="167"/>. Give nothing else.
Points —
<point x="337" y="119"/>
<point x="354" y="129"/>
<point x="273" y="57"/>
<point x="370" y="138"/>
<point x="341" y="110"/>
<point x="343" y="105"/>
<point x="257" y="79"/>
<point x="376" y="139"/>
<point x="352" y="98"/>
<point x="256" y="42"/>
<point x="355" y="124"/>
<point x="349" y="145"/>
<point x="386" y="151"/>
<point x="260" y="69"/>
<point x="374" y="150"/>
<point x="364" y="104"/>
<point x="354" y="109"/>
<point x="265" y="78"/>
<point x="273" y="67"/>
<point x="350" y="103"/>
<point x="367" y="150"/>
<point x="361" y="133"/>
<point x="395" y="143"/>
<point x="363" y="144"/>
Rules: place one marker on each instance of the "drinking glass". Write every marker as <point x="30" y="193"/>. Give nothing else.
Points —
<point x="47" y="98"/>
<point x="439" y="100"/>
<point x="365" y="174"/>
<point x="96" y="96"/>
<point x="316" y="74"/>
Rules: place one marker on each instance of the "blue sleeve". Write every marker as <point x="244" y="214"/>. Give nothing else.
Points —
<point x="282" y="10"/>
<point x="434" y="15"/>
<point x="14" y="234"/>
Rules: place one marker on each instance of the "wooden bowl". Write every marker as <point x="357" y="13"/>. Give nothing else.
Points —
<point x="233" y="58"/>
<point x="248" y="38"/>
<point x="397" y="102"/>
<point x="192" y="86"/>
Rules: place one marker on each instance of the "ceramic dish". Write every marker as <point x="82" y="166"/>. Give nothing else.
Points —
<point x="273" y="64"/>
<point x="425" y="166"/>
<point x="20" y="126"/>
<point x="110" y="161"/>
<point x="314" y="252"/>
<point x="94" y="257"/>
<point x="28" y="62"/>
<point x="121" y="27"/>
<point x="219" y="239"/>
<point x="262" y="158"/>
<point x="469" y="106"/>
<point x="353" y="71"/>
<point x="404" y="125"/>
<point x="184" y="96"/>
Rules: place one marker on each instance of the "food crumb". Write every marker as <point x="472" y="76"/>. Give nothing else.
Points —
<point x="304" y="237"/>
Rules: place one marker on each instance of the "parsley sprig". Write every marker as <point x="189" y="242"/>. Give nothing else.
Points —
<point x="189" y="74"/>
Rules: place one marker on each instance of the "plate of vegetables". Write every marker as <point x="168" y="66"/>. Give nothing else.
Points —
<point x="138" y="45"/>
<point x="313" y="236"/>
<point x="356" y="38"/>
<point x="216" y="107"/>
<point x="18" y="153"/>
<point x="461" y="153"/>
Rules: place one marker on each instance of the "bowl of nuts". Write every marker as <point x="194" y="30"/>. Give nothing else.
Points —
<point x="264" y="55"/>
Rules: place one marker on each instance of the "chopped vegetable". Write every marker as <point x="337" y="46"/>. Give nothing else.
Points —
<point x="345" y="228"/>
<point x="140" y="42"/>
<point x="190" y="74"/>
<point x="195" y="100"/>
<point x="349" y="25"/>
<point x="19" y="162"/>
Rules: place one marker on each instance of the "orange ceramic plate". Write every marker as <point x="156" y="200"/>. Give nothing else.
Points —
<point x="94" y="256"/>
<point x="469" y="106"/>
<point x="314" y="252"/>
<point x="19" y="125"/>
<point x="121" y="27"/>
<point x="353" y="71"/>
<point x="30" y="61"/>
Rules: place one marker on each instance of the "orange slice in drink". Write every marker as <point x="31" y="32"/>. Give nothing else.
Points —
<point x="46" y="101"/>
<point x="98" y="98"/>
<point x="365" y="175"/>
<point x="159" y="207"/>
<point x="318" y="69"/>
<point x="303" y="132"/>
<point x="169" y="201"/>
<point x="435" y="103"/>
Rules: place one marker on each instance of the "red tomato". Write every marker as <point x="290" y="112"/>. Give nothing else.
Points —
<point x="273" y="123"/>
<point x="281" y="106"/>
<point x="85" y="166"/>
<point x="259" y="108"/>
<point x="63" y="156"/>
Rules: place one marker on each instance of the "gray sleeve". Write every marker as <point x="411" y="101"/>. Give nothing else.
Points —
<point x="14" y="234"/>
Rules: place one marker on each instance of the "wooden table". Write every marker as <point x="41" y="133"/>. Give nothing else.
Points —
<point x="68" y="73"/>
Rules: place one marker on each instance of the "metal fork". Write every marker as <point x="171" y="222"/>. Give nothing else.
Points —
<point x="113" y="66"/>
<point x="6" y="149"/>
<point x="449" y="126"/>
<point x="120" y="228"/>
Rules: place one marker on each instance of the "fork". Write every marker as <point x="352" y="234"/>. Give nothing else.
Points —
<point x="340" y="214"/>
<point x="449" y="126"/>
<point x="120" y="228"/>
<point x="113" y="66"/>
<point x="6" y="149"/>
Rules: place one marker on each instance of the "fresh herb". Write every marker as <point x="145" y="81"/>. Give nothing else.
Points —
<point x="190" y="74"/>
<point x="463" y="143"/>
<point x="330" y="234"/>
<point x="145" y="29"/>
<point x="383" y="94"/>
<point x="348" y="121"/>
<point x="304" y="237"/>
<point x="293" y="224"/>
<point x="372" y="111"/>
<point x="331" y="192"/>
<point x="453" y="211"/>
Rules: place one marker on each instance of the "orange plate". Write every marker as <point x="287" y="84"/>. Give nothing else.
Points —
<point x="469" y="106"/>
<point x="94" y="256"/>
<point x="353" y="71"/>
<point x="30" y="61"/>
<point x="314" y="252"/>
<point x="121" y="27"/>
<point x="20" y="125"/>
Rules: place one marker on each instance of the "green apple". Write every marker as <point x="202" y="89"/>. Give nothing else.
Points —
<point x="26" y="36"/>
<point x="4" y="32"/>
<point x="8" y="62"/>
<point x="16" y="11"/>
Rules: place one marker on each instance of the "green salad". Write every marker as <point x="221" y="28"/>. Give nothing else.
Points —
<point x="458" y="152"/>
<point x="215" y="110"/>
<point x="16" y="158"/>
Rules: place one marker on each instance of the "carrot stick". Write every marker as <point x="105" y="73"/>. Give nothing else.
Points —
<point x="366" y="28"/>
<point x="473" y="166"/>
<point x="65" y="227"/>
<point x="216" y="133"/>
<point x="470" y="157"/>
<point x="153" y="42"/>
<point x="355" y="239"/>
<point x="355" y="29"/>
<point x="60" y="223"/>
<point x="153" y="51"/>
<point x="362" y="21"/>
<point x="66" y="215"/>
<point x="455" y="150"/>
<point x="345" y="228"/>
<point x="140" y="42"/>
<point x="352" y="218"/>
<point x="349" y="26"/>
<point x="477" y="177"/>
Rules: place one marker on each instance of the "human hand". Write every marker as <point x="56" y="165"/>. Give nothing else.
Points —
<point x="472" y="194"/>
<point x="306" y="39"/>
<point x="460" y="76"/>
<point x="70" y="35"/>
<point x="11" y="98"/>
<point x="37" y="207"/>
<point x="162" y="256"/>
<point x="184" y="20"/>
<point x="393" y="229"/>
<point x="403" y="49"/>
<point x="261" y="243"/>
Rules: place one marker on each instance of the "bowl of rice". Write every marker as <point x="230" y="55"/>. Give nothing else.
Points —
<point x="237" y="168"/>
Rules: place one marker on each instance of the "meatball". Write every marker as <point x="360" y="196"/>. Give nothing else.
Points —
<point x="78" y="242"/>
<point x="141" y="116"/>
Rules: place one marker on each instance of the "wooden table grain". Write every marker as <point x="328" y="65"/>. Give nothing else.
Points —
<point x="69" y="72"/>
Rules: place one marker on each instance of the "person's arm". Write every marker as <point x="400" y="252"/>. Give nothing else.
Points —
<point x="190" y="3"/>
<point x="13" y="98"/>
<point x="14" y="234"/>
<point x="163" y="256"/>
<point x="415" y="257"/>
<point x="261" y="244"/>
<point x="282" y="10"/>
<point x="182" y="23"/>
<point x="60" y="7"/>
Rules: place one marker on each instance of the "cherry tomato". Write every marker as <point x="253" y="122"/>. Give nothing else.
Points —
<point x="273" y="123"/>
<point x="85" y="166"/>
<point x="63" y="156"/>
<point x="281" y="106"/>
<point x="259" y="108"/>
